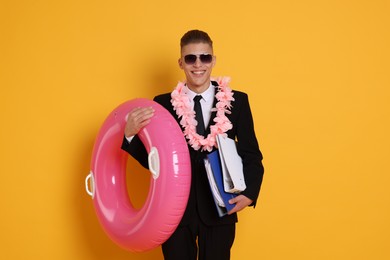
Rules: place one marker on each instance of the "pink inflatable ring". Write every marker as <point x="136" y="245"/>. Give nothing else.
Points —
<point x="169" y="163"/>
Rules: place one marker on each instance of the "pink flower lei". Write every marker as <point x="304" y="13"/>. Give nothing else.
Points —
<point x="181" y="104"/>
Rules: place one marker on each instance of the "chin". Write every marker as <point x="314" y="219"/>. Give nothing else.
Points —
<point x="199" y="84"/>
<point x="200" y="81"/>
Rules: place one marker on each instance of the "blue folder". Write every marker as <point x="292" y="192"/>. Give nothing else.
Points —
<point x="215" y="164"/>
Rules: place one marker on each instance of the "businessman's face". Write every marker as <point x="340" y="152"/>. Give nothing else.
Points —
<point x="197" y="62"/>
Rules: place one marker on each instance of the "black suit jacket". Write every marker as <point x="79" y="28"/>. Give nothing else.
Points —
<point x="200" y="199"/>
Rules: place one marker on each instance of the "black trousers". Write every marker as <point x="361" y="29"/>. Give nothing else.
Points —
<point x="211" y="242"/>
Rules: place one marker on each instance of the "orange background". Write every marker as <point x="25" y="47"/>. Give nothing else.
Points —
<point x="317" y="73"/>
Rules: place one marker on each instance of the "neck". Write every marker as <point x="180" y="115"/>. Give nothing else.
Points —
<point x="199" y="89"/>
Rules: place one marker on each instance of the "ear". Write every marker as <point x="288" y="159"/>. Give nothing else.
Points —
<point x="214" y="61"/>
<point x="180" y="62"/>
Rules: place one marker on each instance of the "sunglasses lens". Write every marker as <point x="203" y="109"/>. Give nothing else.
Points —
<point x="190" y="59"/>
<point x="206" y="58"/>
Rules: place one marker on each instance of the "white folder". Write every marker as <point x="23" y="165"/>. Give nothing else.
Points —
<point x="231" y="162"/>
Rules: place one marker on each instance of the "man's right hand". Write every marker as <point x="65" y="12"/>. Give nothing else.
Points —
<point x="136" y="119"/>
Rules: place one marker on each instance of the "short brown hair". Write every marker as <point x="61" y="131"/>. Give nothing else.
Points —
<point x="195" y="36"/>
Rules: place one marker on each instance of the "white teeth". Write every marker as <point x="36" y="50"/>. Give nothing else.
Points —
<point x="198" y="72"/>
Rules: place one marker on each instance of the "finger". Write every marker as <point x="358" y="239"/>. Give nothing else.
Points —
<point x="143" y="114"/>
<point x="143" y="124"/>
<point x="140" y="114"/>
<point x="141" y="110"/>
<point x="233" y="210"/>
<point x="135" y="112"/>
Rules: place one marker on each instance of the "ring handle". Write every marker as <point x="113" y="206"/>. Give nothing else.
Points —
<point x="92" y="184"/>
<point x="154" y="162"/>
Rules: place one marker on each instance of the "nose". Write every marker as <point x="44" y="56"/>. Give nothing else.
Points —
<point x="197" y="63"/>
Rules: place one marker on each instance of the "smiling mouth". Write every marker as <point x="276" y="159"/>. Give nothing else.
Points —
<point x="198" y="72"/>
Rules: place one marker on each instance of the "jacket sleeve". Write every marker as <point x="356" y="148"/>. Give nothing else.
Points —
<point x="248" y="149"/>
<point x="136" y="149"/>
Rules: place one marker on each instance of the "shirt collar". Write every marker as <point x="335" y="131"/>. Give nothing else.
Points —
<point x="207" y="95"/>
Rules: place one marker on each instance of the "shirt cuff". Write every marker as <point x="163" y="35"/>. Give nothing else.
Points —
<point x="129" y="138"/>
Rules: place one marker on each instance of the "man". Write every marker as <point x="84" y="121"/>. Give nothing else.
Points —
<point x="201" y="231"/>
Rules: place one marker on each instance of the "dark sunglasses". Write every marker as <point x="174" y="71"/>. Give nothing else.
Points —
<point x="204" y="58"/>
